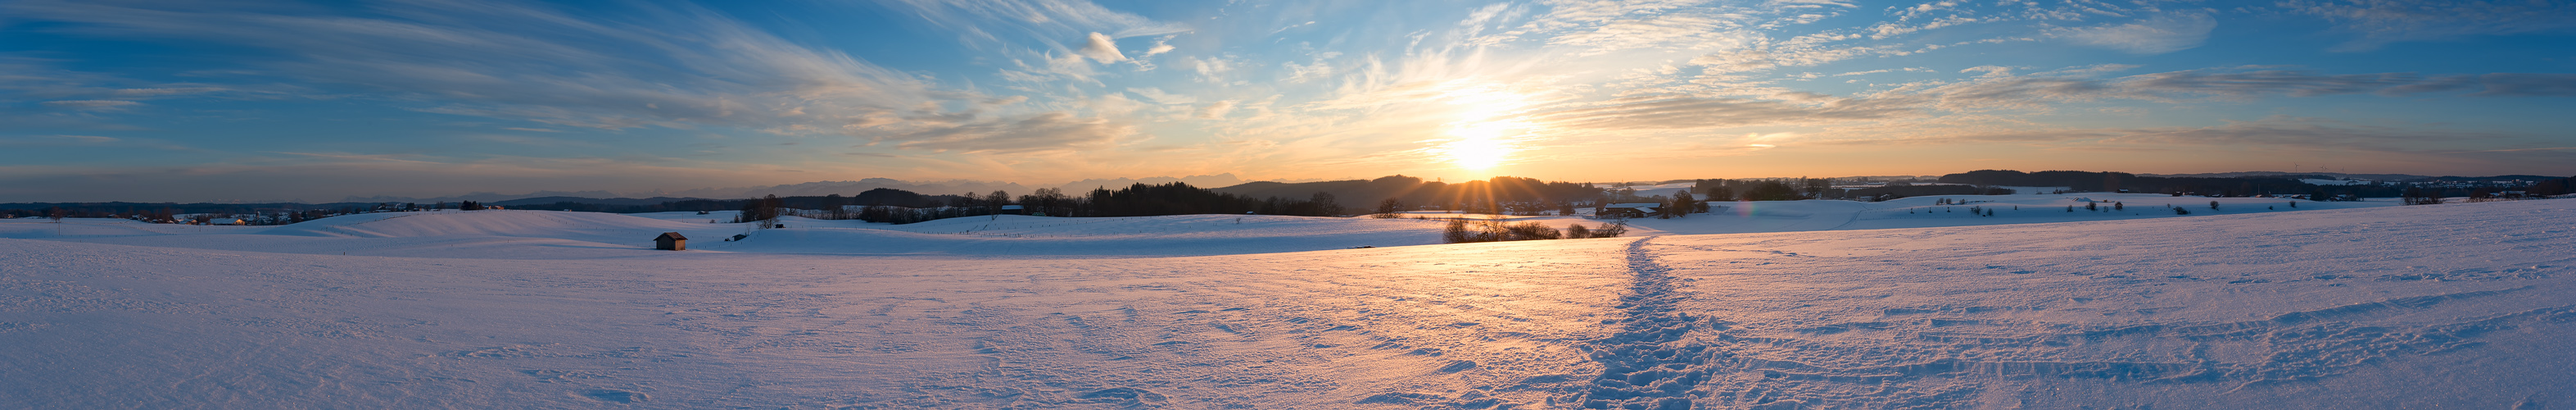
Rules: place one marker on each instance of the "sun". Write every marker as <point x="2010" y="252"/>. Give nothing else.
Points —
<point x="1484" y="133"/>
<point x="1480" y="146"/>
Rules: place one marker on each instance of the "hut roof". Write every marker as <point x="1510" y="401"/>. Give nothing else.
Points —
<point x="671" y="235"/>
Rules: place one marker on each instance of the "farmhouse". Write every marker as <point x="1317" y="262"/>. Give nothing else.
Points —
<point x="1627" y="210"/>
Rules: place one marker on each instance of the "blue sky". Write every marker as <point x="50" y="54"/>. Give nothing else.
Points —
<point x="189" y="101"/>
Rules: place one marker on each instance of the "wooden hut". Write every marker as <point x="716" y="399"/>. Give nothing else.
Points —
<point x="671" y="241"/>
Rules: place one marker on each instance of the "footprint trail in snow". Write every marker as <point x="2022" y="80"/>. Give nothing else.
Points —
<point x="1650" y="362"/>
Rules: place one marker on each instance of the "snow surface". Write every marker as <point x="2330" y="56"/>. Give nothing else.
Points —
<point x="2458" y="305"/>
<point x="519" y="234"/>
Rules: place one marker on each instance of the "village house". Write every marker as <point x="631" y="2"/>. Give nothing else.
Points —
<point x="1626" y="210"/>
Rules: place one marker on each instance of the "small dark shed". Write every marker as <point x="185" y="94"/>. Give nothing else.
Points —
<point x="671" y="241"/>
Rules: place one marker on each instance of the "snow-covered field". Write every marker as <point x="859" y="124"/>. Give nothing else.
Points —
<point x="2369" y="306"/>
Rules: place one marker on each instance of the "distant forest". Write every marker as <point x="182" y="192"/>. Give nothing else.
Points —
<point x="1386" y="195"/>
<point x="2276" y="185"/>
<point x="1498" y="195"/>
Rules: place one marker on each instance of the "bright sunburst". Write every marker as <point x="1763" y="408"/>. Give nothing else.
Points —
<point x="1482" y="137"/>
<point x="1480" y="146"/>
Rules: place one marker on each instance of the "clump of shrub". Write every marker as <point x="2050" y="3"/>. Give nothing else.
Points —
<point x="1491" y="230"/>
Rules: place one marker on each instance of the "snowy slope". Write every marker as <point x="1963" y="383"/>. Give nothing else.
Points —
<point x="1920" y="212"/>
<point x="2461" y="305"/>
<point x="516" y="234"/>
<point x="519" y="234"/>
<point x="1015" y="235"/>
<point x="494" y="234"/>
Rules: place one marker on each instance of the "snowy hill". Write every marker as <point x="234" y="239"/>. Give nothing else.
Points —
<point x="515" y="234"/>
<point x="521" y="234"/>
<point x="2459" y="305"/>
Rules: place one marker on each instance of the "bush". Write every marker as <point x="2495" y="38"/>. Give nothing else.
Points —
<point x="1529" y="231"/>
<point x="1611" y="230"/>
<point x="1456" y="232"/>
<point x="1465" y="231"/>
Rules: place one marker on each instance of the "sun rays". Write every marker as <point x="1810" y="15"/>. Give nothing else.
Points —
<point x="1483" y="133"/>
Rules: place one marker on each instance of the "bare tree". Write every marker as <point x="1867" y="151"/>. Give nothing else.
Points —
<point x="1389" y="207"/>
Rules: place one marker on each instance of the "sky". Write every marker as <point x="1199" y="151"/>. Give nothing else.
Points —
<point x="263" y="100"/>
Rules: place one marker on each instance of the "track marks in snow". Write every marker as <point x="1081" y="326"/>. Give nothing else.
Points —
<point x="1464" y="329"/>
<point x="1650" y="363"/>
<point x="1958" y="318"/>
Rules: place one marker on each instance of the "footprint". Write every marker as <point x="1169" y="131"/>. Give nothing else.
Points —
<point x="615" y="396"/>
<point x="1457" y="366"/>
<point x="1122" y="394"/>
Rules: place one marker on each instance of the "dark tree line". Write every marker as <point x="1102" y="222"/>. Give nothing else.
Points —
<point x="1763" y="189"/>
<point x="2229" y="187"/>
<point x="248" y="214"/>
<point x="1893" y="191"/>
<point x="1174" y="198"/>
<point x="1497" y="195"/>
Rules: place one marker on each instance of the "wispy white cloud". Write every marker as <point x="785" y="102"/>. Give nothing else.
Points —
<point x="2380" y="22"/>
<point x="2163" y="34"/>
<point x="1689" y="112"/>
<point x="1160" y="46"/>
<point x="2276" y="131"/>
<point x="1608" y="26"/>
<point x="1043" y="132"/>
<point x="167" y="91"/>
<point x="1160" y="97"/>
<point x="1102" y="49"/>
<point x="1216" y="110"/>
<point x="92" y="104"/>
<point x="1037" y="20"/>
<point x="678" y="68"/>
<point x="67" y="141"/>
